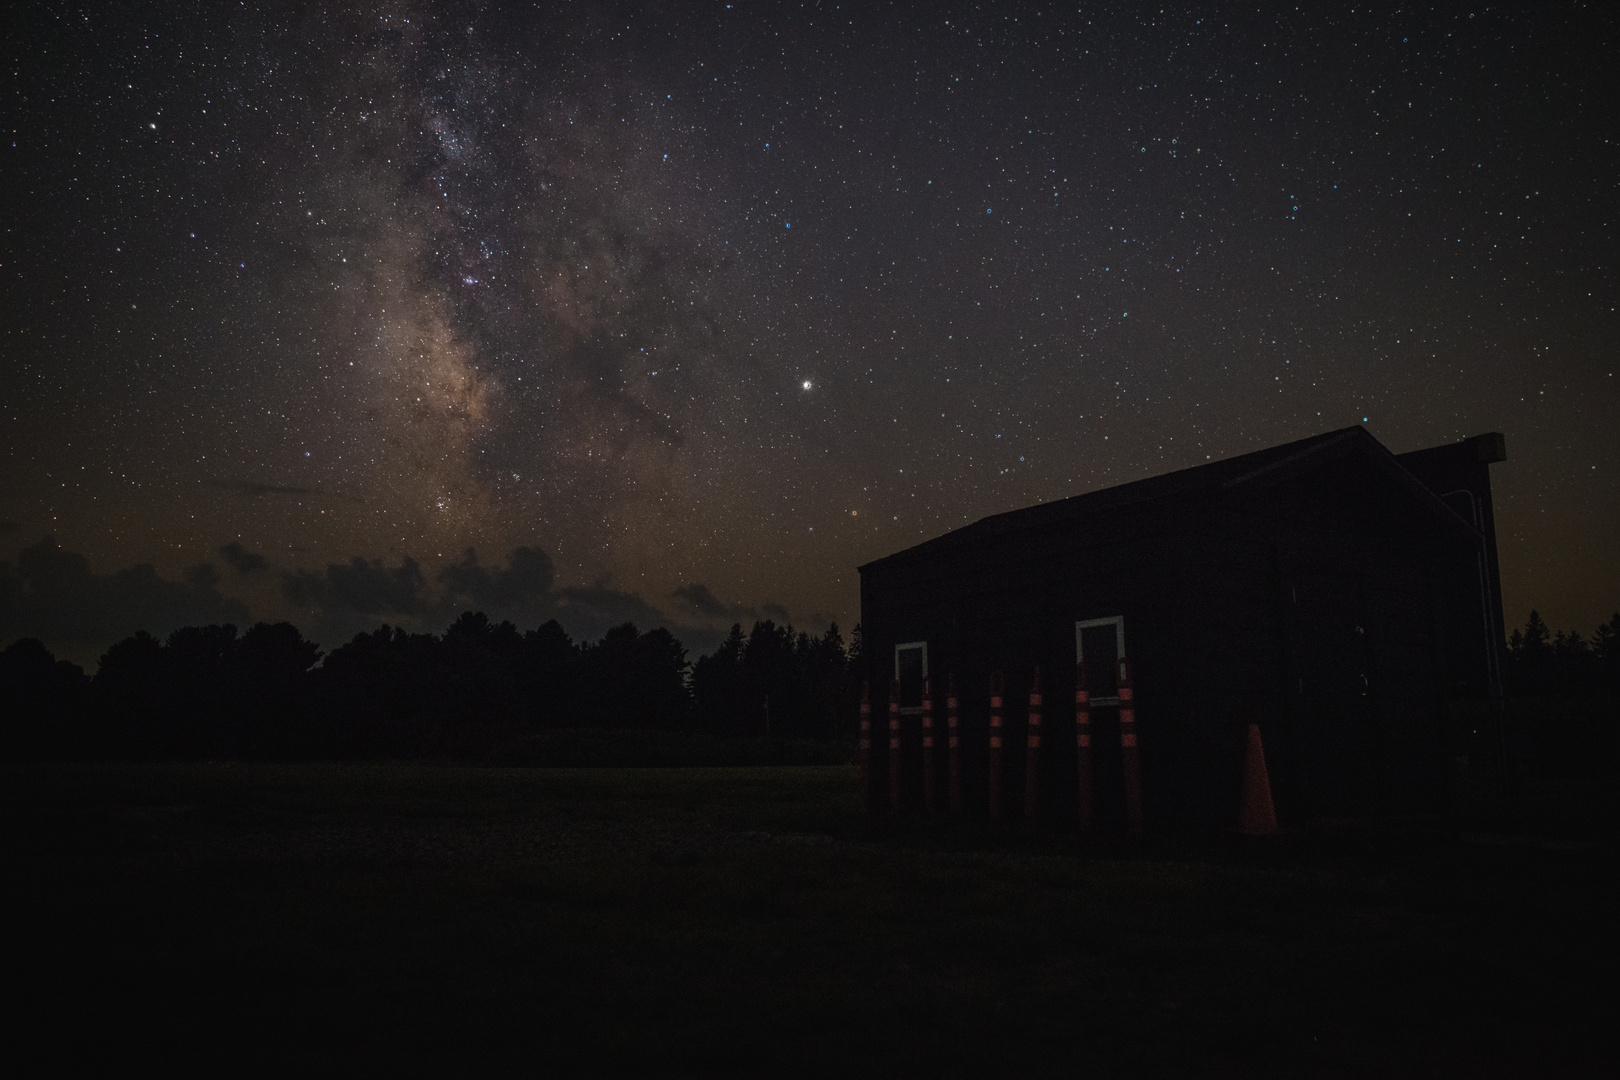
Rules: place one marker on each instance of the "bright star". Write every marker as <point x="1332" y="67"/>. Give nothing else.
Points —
<point x="807" y="384"/>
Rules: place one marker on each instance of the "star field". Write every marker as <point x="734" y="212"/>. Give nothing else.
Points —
<point x="721" y="301"/>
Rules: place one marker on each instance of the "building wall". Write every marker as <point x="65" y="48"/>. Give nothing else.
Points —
<point x="1315" y="609"/>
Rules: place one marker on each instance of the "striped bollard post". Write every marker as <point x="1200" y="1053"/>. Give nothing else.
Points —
<point x="866" y="745"/>
<point x="997" y="684"/>
<point x="1032" y="755"/>
<point x="1082" y="741"/>
<point x="954" y="744"/>
<point x="1130" y="757"/>
<point x="929" y="805"/>
<point x="894" y="746"/>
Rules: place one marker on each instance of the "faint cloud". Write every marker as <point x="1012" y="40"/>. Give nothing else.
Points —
<point x="361" y="586"/>
<point x="242" y="560"/>
<point x="597" y="607"/>
<point x="523" y="585"/>
<point x="52" y="594"/>
<point x="701" y="600"/>
<point x="697" y="599"/>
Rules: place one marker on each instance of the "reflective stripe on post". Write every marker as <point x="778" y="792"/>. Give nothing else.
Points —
<point x="997" y="683"/>
<point x="952" y="726"/>
<point x="1082" y="741"/>
<point x="866" y="745"/>
<point x="1032" y="755"/>
<point x="1257" y="815"/>
<point x="1130" y="758"/>
<point x="928" y="748"/>
<point x="894" y="746"/>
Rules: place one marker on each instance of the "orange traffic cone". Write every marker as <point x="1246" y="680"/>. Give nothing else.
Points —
<point x="1256" y="816"/>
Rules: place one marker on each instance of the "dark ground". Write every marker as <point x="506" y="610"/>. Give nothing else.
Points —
<point x="423" y="918"/>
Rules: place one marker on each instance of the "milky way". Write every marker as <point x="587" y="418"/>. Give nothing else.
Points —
<point x="533" y="297"/>
<point x="713" y="304"/>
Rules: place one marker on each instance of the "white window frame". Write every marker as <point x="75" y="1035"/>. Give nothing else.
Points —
<point x="1081" y="625"/>
<point x="911" y="710"/>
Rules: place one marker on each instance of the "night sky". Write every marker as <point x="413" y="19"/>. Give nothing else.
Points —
<point x="679" y="313"/>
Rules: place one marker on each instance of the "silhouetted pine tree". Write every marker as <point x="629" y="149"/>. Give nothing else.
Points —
<point x="42" y="702"/>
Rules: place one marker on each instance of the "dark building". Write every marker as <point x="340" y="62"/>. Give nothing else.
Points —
<point x="1343" y="598"/>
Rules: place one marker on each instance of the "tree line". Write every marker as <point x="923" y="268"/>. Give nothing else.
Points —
<point x="268" y="692"/>
<point x="209" y="691"/>
<point x="1563" y="693"/>
<point x="1541" y="663"/>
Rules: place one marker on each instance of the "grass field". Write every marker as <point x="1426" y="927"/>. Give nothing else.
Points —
<point x="425" y="918"/>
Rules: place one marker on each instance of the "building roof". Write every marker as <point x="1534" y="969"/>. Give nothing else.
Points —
<point x="1259" y="468"/>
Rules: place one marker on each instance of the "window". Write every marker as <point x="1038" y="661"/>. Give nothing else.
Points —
<point x="1099" y="643"/>
<point x="911" y="668"/>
